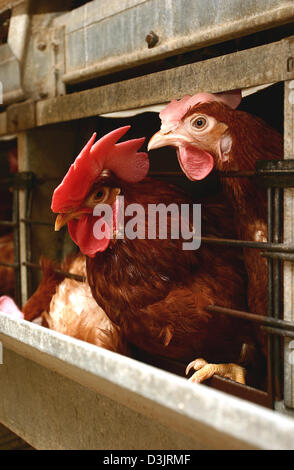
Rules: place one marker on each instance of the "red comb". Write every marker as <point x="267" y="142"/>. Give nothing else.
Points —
<point x="176" y="109"/>
<point x="123" y="159"/>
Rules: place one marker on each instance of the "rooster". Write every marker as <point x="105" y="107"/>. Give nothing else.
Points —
<point x="155" y="291"/>
<point x="209" y="132"/>
<point x="67" y="306"/>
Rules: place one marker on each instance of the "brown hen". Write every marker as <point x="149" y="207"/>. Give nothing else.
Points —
<point x="208" y="132"/>
<point x="155" y="291"/>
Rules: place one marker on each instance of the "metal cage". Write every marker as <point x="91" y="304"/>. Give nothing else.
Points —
<point x="74" y="91"/>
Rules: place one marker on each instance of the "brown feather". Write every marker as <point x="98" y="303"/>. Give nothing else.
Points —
<point x="253" y="140"/>
<point x="153" y="289"/>
<point x="67" y="306"/>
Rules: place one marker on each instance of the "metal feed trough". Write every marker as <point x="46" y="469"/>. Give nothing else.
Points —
<point x="59" y="70"/>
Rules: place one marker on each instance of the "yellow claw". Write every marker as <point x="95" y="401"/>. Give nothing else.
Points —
<point x="205" y="371"/>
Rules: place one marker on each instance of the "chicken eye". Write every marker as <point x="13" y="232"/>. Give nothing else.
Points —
<point x="199" y="123"/>
<point x="99" y="194"/>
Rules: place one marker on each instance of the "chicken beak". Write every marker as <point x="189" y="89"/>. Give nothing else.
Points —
<point x="158" y="140"/>
<point x="63" y="219"/>
<point x="164" y="139"/>
<point x="60" y="221"/>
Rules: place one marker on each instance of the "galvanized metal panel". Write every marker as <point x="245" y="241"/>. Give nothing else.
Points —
<point x="31" y="65"/>
<point x="53" y="412"/>
<point x="18" y="28"/>
<point x="256" y="66"/>
<point x="44" y="65"/>
<point x="102" y="37"/>
<point x="253" y="67"/>
<point x="12" y="53"/>
<point x="211" y="418"/>
<point x="10" y="75"/>
<point x="105" y="36"/>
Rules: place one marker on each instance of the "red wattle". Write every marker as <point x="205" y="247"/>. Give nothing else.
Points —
<point x="195" y="163"/>
<point x="82" y="233"/>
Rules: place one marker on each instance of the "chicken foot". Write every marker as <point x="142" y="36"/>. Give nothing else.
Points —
<point x="205" y="371"/>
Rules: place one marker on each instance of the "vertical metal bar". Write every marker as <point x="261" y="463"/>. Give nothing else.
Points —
<point x="277" y="293"/>
<point x="270" y="239"/>
<point x="28" y="236"/>
<point x="277" y="239"/>
<point x="22" y="150"/>
<point x="16" y="247"/>
<point x="270" y="358"/>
